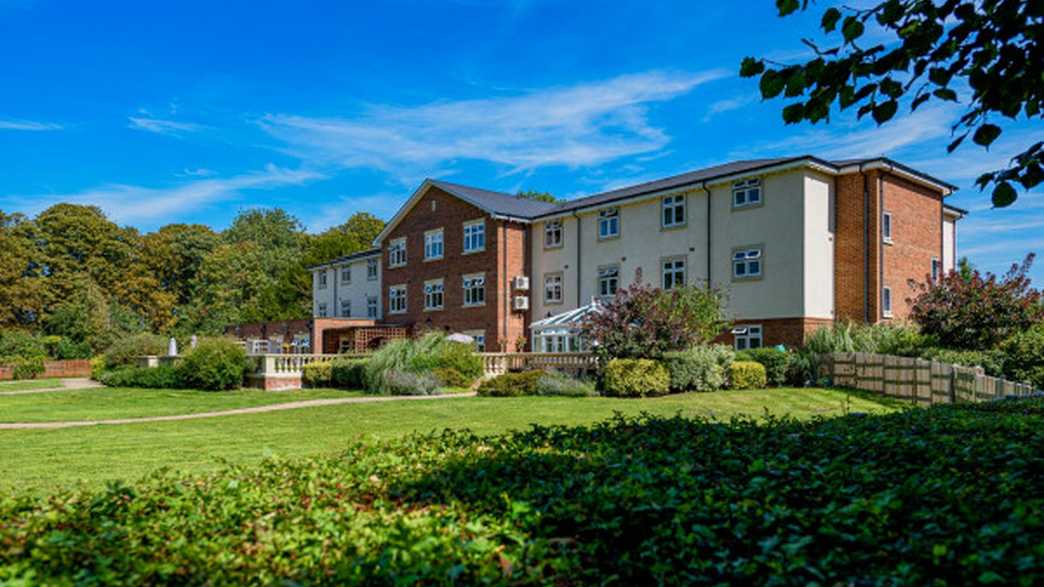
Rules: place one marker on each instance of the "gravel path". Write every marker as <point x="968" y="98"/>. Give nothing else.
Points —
<point x="67" y="385"/>
<point x="254" y="410"/>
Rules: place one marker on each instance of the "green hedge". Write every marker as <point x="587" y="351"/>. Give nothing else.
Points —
<point x="747" y="375"/>
<point x="215" y="364"/>
<point x="1024" y="356"/>
<point x="126" y="350"/>
<point x="633" y="501"/>
<point x="317" y="374"/>
<point x="701" y="368"/>
<point x="161" y="377"/>
<point x="25" y="367"/>
<point x="635" y="378"/>
<point x="777" y="363"/>
<point x="992" y="362"/>
<point x="511" y="384"/>
<point x="348" y="373"/>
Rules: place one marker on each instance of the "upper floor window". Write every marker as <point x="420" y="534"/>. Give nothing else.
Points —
<point x="886" y="227"/>
<point x="673" y="208"/>
<point x="746" y="193"/>
<point x="371" y="307"/>
<point x="433" y="244"/>
<point x="346" y="274"/>
<point x="397" y="299"/>
<point x="322" y="279"/>
<point x="936" y="269"/>
<point x="553" y="233"/>
<point x="553" y="288"/>
<point x="746" y="263"/>
<point x="747" y="336"/>
<point x="609" y="223"/>
<point x="397" y="253"/>
<point x="886" y="302"/>
<point x="608" y="280"/>
<point x="474" y="236"/>
<point x="346" y="308"/>
<point x="433" y="294"/>
<point x="321" y="310"/>
<point x="475" y="289"/>
<point x="371" y="269"/>
<point x="673" y="273"/>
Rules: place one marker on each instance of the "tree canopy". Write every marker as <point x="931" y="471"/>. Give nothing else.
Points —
<point x="987" y="53"/>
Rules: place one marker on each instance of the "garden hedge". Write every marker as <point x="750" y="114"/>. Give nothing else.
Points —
<point x="635" y="378"/>
<point x="747" y="375"/>
<point x="943" y="495"/>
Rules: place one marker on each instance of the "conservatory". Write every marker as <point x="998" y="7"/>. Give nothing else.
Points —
<point x="562" y="333"/>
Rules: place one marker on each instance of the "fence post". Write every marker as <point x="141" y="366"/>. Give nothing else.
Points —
<point x="953" y="384"/>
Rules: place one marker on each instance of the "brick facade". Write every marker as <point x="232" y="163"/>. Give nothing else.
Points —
<point x="916" y="239"/>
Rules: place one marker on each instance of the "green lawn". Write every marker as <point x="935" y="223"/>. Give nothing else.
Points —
<point x="106" y="403"/>
<point x="44" y="460"/>
<point x="28" y="384"/>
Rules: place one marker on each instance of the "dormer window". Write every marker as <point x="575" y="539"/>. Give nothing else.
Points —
<point x="746" y="193"/>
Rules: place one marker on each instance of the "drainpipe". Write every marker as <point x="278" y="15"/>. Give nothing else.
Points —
<point x="579" y="257"/>
<point x="709" y="257"/>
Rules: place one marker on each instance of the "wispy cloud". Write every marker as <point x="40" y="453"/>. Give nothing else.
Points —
<point x="574" y="126"/>
<point x="28" y="125"/>
<point x="161" y="126"/>
<point x="729" y="104"/>
<point x="382" y="205"/>
<point x="134" y="203"/>
<point x="197" y="172"/>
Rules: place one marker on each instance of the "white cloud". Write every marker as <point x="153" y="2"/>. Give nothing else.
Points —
<point x="28" y="125"/>
<point x="574" y="126"/>
<point x="382" y="205"/>
<point x="132" y="203"/>
<point x="197" y="172"/>
<point x="163" y="127"/>
<point x="729" y="104"/>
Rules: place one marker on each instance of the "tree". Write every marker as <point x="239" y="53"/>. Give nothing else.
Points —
<point x="228" y="289"/>
<point x="993" y="46"/>
<point x="539" y="196"/>
<point x="174" y="254"/>
<point x="980" y="312"/>
<point x="22" y="287"/>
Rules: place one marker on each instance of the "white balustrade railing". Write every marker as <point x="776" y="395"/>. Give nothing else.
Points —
<point x="269" y="365"/>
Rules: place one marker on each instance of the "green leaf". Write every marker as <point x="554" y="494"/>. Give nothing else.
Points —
<point x="751" y="67"/>
<point x="793" y="113"/>
<point x="771" y="84"/>
<point x="945" y="94"/>
<point x="884" y="111"/>
<point x="786" y="7"/>
<point x="830" y="18"/>
<point x="852" y="29"/>
<point x="956" y="143"/>
<point x="986" y="134"/>
<point x="1004" y="195"/>
<point x="939" y="76"/>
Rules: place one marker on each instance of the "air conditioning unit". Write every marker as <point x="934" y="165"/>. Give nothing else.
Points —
<point x="521" y="303"/>
<point x="522" y="283"/>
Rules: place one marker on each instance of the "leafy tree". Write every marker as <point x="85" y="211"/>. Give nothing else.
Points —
<point x="22" y="287"/>
<point x="275" y="227"/>
<point x="228" y="289"/>
<point x="77" y="239"/>
<point x="539" y="196"/>
<point x="992" y="46"/>
<point x="980" y="312"/>
<point x="174" y="254"/>
<point x="83" y="317"/>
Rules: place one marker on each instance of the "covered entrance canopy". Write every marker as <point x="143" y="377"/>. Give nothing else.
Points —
<point x="562" y="333"/>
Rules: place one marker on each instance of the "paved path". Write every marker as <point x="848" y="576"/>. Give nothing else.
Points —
<point x="314" y="403"/>
<point x="67" y="385"/>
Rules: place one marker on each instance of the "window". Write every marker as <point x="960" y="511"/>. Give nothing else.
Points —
<point x="746" y="263"/>
<point x="673" y="211"/>
<point x="936" y="269"/>
<point x="433" y="294"/>
<point x="553" y="234"/>
<point x="886" y="227"/>
<point x="747" y="336"/>
<point x="673" y="273"/>
<point x="475" y="236"/>
<point x="371" y="307"/>
<point x="346" y="274"/>
<point x="609" y="223"/>
<point x="433" y="244"/>
<point x="397" y="253"/>
<point x="553" y="288"/>
<point x="322" y="279"/>
<point x="346" y="308"/>
<point x="475" y="290"/>
<point x="322" y="311"/>
<point x="371" y="269"/>
<point x="480" y="339"/>
<point x="886" y="302"/>
<point x="397" y="299"/>
<point x="746" y="193"/>
<point x="608" y="280"/>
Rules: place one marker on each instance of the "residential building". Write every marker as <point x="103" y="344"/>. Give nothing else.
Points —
<point x="795" y="243"/>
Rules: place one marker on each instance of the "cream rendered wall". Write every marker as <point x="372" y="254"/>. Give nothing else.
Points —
<point x="356" y="291"/>
<point x="550" y="260"/>
<point x="818" y="246"/>
<point x="323" y="295"/>
<point x="949" y="260"/>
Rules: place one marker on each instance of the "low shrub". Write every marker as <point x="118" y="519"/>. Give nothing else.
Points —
<point x="161" y="377"/>
<point x="348" y="373"/>
<point x="1024" y="356"/>
<point x="126" y="350"/>
<point x="317" y="374"/>
<point x="406" y="383"/>
<point x="775" y="361"/>
<point x="747" y="375"/>
<point x="215" y="364"/>
<point x="97" y="367"/>
<point x="992" y="362"/>
<point x="19" y="343"/>
<point x="556" y="383"/>
<point x="459" y="356"/>
<point x="25" y="367"/>
<point x="511" y="384"/>
<point x="700" y="368"/>
<point x="450" y="377"/>
<point x="635" y="378"/>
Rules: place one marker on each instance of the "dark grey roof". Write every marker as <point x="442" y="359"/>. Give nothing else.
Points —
<point x="346" y="258"/>
<point x="496" y="202"/>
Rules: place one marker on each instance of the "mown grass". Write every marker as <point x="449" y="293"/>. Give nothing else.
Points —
<point x="45" y="460"/>
<point x="29" y="384"/>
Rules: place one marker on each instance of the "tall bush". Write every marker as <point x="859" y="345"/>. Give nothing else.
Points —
<point x="215" y="364"/>
<point x="1024" y="356"/>
<point x="126" y="350"/>
<point x="700" y="368"/>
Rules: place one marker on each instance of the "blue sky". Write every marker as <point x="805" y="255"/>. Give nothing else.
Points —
<point x="192" y="111"/>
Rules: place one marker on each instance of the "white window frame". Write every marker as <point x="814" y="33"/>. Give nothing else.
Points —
<point x="371" y="307"/>
<point x="397" y="253"/>
<point x="474" y="230"/>
<point x="747" y="258"/>
<point x="748" y="193"/>
<point x="936" y="271"/>
<point x="322" y="279"/>
<point x="371" y="269"/>
<point x="669" y="208"/>
<point x="673" y="272"/>
<point x="474" y="287"/>
<point x="346" y="274"/>
<point x="397" y="299"/>
<point x="745" y="335"/>
<point x="553" y="284"/>
<point x="434" y="245"/>
<point x="609" y="223"/>
<point x="480" y="339"/>
<point x="434" y="291"/>
<point x="321" y="310"/>
<point x="608" y="275"/>
<point x="887" y="227"/>
<point x="346" y="313"/>
<point x="886" y="301"/>
<point x="553" y="233"/>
